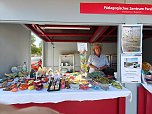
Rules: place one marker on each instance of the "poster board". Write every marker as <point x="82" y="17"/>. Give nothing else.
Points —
<point x="131" y="41"/>
<point x="131" y="68"/>
<point x="82" y="47"/>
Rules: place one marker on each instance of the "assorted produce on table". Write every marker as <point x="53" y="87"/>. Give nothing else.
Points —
<point x="54" y="81"/>
<point x="147" y="72"/>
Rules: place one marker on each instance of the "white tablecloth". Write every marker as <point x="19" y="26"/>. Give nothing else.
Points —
<point x="148" y="87"/>
<point x="28" y="96"/>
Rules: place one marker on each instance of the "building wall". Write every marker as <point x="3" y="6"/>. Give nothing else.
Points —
<point x="147" y="53"/>
<point x="63" y="11"/>
<point x="14" y="46"/>
<point x="52" y="54"/>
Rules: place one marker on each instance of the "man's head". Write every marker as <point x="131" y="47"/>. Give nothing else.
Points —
<point x="97" y="49"/>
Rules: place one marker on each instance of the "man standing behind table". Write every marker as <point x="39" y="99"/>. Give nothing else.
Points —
<point x="97" y="61"/>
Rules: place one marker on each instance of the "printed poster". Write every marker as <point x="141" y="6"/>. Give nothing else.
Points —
<point x="131" y="66"/>
<point x="82" y="47"/>
<point x="132" y="38"/>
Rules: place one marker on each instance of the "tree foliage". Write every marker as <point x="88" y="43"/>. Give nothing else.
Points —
<point x="36" y="51"/>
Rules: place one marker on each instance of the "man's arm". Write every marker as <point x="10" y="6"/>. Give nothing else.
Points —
<point x="92" y="66"/>
<point x="90" y="63"/>
<point x="106" y="64"/>
<point x="103" y="67"/>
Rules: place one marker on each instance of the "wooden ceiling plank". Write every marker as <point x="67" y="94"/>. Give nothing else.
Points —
<point x="42" y="32"/>
<point x="113" y="29"/>
<point x="35" y="31"/>
<point x="96" y="34"/>
<point x="103" y="31"/>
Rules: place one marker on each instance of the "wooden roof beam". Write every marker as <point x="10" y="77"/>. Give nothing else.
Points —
<point x="65" y="34"/>
<point x="42" y="32"/>
<point x="103" y="31"/>
<point x="96" y="34"/>
<point x="35" y="31"/>
<point x="102" y="38"/>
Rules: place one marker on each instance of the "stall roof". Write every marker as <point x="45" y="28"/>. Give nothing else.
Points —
<point x="79" y="33"/>
<point x="74" y="33"/>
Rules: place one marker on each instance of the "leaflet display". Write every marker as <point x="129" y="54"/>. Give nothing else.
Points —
<point x="131" y="40"/>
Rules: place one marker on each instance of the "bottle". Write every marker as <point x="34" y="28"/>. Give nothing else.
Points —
<point x="24" y="67"/>
<point x="67" y="85"/>
<point x="62" y="83"/>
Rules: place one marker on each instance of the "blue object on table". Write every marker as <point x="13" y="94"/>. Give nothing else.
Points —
<point x="96" y="87"/>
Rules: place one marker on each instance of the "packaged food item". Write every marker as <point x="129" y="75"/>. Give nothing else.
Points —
<point x="104" y="86"/>
<point x="74" y="86"/>
<point x="23" y="87"/>
<point x="84" y="87"/>
<point x="14" y="90"/>
<point x="67" y="84"/>
<point x="116" y="85"/>
<point x="62" y="83"/>
<point x="96" y="87"/>
<point x="54" y="84"/>
<point x="39" y="86"/>
<point x="24" y="67"/>
<point x="31" y="87"/>
<point x="146" y="66"/>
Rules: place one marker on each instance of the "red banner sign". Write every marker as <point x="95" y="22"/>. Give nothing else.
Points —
<point x="115" y="8"/>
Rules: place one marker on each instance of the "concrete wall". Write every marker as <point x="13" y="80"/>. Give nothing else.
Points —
<point x="147" y="53"/>
<point x="14" y="46"/>
<point x="52" y="54"/>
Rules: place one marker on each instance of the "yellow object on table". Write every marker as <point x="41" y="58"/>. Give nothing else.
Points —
<point x="146" y="66"/>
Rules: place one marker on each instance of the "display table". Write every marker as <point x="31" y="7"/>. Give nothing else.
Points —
<point x="145" y="99"/>
<point x="71" y="101"/>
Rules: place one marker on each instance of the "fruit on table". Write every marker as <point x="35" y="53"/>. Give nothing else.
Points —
<point x="39" y="86"/>
<point x="102" y="80"/>
<point x="72" y="77"/>
<point x="11" y="75"/>
<point x="46" y="85"/>
<point x="84" y="82"/>
<point x="30" y="82"/>
<point x="23" y="87"/>
<point x="84" y="87"/>
<point x="31" y="87"/>
<point x="146" y="66"/>
<point x="20" y="74"/>
<point x="116" y="85"/>
<point x="96" y="74"/>
<point x="44" y="80"/>
<point x="14" y="90"/>
<point x="75" y="73"/>
<point x="36" y="82"/>
<point x="4" y="84"/>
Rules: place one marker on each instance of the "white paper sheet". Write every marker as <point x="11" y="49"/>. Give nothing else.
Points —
<point x="131" y="68"/>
